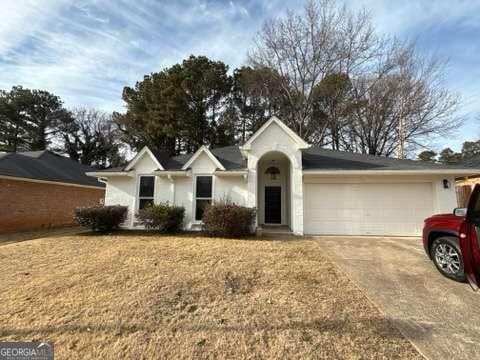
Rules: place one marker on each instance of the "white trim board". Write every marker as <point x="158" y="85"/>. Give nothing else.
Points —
<point x="50" y="182"/>
<point x="394" y="172"/>
<point x="106" y="174"/>
<point x="174" y="173"/>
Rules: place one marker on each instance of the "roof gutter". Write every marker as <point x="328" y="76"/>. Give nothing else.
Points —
<point x="394" y="172"/>
<point x="109" y="173"/>
<point x="231" y="172"/>
<point x="170" y="173"/>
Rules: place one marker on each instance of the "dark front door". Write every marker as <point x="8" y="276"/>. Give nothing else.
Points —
<point x="273" y="205"/>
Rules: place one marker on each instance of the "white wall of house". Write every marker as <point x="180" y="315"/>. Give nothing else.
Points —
<point x="231" y="189"/>
<point x="123" y="190"/>
<point x="184" y="197"/>
<point x="275" y="139"/>
<point x="120" y="190"/>
<point x="164" y="190"/>
<point x="445" y="200"/>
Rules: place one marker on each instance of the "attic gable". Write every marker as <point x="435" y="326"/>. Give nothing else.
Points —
<point x="276" y="122"/>
<point x="198" y="153"/>
<point x="140" y="155"/>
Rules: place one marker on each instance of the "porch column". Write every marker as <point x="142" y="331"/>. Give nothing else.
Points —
<point x="296" y="180"/>
<point x="252" y="184"/>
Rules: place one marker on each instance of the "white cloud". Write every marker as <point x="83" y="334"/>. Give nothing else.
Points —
<point x="396" y="17"/>
<point x="87" y="51"/>
<point x="23" y="17"/>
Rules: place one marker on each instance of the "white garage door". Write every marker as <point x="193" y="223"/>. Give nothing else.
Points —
<point x="367" y="209"/>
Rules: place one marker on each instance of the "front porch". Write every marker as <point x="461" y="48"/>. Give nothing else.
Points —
<point x="274" y="230"/>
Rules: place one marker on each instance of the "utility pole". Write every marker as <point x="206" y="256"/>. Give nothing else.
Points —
<point x="401" y="138"/>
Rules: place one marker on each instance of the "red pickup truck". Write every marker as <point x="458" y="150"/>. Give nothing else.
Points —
<point x="452" y="241"/>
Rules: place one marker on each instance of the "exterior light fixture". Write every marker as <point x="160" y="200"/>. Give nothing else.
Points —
<point x="446" y="184"/>
<point x="273" y="172"/>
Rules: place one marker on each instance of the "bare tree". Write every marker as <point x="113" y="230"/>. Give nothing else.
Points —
<point x="91" y="138"/>
<point x="403" y="105"/>
<point x="304" y="48"/>
<point x="386" y="98"/>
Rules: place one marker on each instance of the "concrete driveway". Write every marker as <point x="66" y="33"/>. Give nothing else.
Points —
<point x="441" y="317"/>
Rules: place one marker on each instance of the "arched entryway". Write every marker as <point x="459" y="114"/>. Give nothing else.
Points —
<point x="274" y="190"/>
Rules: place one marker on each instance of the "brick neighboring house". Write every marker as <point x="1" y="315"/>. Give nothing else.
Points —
<point x="41" y="189"/>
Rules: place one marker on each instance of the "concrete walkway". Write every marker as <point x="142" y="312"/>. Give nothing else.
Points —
<point x="441" y="317"/>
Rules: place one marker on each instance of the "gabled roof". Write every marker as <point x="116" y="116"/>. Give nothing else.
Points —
<point x="316" y="159"/>
<point x="302" y="144"/>
<point x="203" y="149"/>
<point x="229" y="156"/>
<point x="46" y="166"/>
<point x="145" y="150"/>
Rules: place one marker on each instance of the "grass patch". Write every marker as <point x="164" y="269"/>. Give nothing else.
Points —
<point x="135" y="296"/>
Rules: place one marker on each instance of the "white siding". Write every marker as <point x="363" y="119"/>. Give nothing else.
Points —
<point x="121" y="191"/>
<point x="145" y="165"/>
<point x="203" y="165"/>
<point x="184" y="197"/>
<point x="233" y="189"/>
<point x="445" y="200"/>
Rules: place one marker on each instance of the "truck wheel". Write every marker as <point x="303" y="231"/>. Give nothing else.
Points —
<point x="447" y="257"/>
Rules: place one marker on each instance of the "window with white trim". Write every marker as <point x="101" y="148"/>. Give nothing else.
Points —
<point x="146" y="191"/>
<point x="203" y="194"/>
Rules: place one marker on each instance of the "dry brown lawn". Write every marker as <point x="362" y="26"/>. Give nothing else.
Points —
<point x="150" y="297"/>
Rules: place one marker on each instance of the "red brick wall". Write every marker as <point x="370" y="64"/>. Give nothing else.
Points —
<point x="28" y="205"/>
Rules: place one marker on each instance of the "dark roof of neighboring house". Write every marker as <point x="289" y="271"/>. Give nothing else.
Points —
<point x="46" y="165"/>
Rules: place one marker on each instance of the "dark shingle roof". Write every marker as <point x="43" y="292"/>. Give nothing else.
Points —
<point x="229" y="156"/>
<point x="46" y="165"/>
<point x="314" y="158"/>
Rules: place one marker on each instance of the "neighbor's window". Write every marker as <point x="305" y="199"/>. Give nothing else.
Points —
<point x="146" y="191"/>
<point x="203" y="195"/>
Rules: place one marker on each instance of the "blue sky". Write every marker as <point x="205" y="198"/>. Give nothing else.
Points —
<point x="86" y="51"/>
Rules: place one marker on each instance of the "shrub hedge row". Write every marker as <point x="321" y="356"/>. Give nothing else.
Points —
<point x="222" y="219"/>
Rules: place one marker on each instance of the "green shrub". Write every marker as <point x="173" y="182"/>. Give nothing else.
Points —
<point x="228" y="220"/>
<point x="101" y="218"/>
<point x="164" y="217"/>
